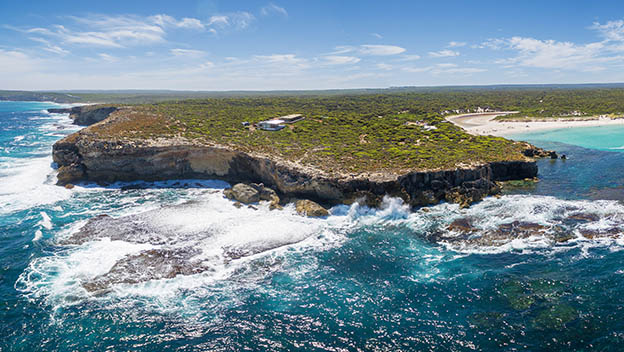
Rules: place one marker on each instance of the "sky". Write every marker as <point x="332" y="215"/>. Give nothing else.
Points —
<point x="299" y="45"/>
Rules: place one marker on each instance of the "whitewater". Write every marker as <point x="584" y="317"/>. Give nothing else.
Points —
<point x="176" y="266"/>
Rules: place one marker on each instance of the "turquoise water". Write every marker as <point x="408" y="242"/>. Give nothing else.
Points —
<point x="362" y="279"/>
<point x="608" y="138"/>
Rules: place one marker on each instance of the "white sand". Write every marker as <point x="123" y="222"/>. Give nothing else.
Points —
<point x="484" y="124"/>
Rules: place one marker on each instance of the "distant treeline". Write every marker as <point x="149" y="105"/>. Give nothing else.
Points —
<point x="539" y="101"/>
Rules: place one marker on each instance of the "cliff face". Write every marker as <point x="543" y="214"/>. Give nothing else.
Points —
<point x="83" y="156"/>
<point x="86" y="115"/>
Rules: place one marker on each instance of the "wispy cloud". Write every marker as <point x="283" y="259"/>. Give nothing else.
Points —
<point x="219" y="20"/>
<point x="108" y="58"/>
<point x="271" y="9"/>
<point x="444" y="68"/>
<point x="340" y="60"/>
<point x="290" y="60"/>
<point x="237" y="20"/>
<point x="127" y="30"/>
<point x="565" y="55"/>
<point x="612" y="30"/>
<point x="456" y="44"/>
<point x="187" y="52"/>
<point x="168" y="21"/>
<point x="377" y="35"/>
<point x="114" y="31"/>
<point x="381" y="50"/>
<point x="553" y="54"/>
<point x="49" y="47"/>
<point x="409" y="58"/>
<point x="369" y="49"/>
<point x="443" y="53"/>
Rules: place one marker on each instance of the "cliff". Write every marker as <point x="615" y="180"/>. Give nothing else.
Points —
<point x="83" y="156"/>
<point x="86" y="115"/>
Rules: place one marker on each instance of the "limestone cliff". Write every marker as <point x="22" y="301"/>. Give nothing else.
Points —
<point x="87" y="156"/>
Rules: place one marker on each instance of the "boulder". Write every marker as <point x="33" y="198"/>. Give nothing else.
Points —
<point x="311" y="209"/>
<point x="243" y="193"/>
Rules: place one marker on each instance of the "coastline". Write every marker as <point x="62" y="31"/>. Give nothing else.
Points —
<point x="484" y="124"/>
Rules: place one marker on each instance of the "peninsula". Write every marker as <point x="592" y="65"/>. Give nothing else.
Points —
<point x="346" y="147"/>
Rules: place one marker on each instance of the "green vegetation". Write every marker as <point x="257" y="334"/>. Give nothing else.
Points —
<point x="397" y="129"/>
<point x="360" y="133"/>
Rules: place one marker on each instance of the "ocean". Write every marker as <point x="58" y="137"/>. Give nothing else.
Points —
<point x="361" y="279"/>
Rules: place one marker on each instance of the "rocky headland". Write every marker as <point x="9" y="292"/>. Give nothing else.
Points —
<point x="87" y="114"/>
<point x="93" y="154"/>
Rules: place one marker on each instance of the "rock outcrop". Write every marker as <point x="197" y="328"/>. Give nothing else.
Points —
<point x="536" y="152"/>
<point x="253" y="193"/>
<point x="86" y="115"/>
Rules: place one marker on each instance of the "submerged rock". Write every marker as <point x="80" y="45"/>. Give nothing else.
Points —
<point x="555" y="317"/>
<point x="148" y="265"/>
<point x="462" y="225"/>
<point x="517" y="295"/>
<point x="311" y="209"/>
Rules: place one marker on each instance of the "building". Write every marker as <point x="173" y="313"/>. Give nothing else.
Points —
<point x="278" y="123"/>
<point x="271" y="125"/>
<point x="291" y="118"/>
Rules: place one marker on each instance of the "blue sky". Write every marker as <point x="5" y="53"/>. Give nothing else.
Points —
<point x="266" y="45"/>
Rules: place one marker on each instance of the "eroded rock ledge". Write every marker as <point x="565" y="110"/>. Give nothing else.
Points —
<point x="85" y="156"/>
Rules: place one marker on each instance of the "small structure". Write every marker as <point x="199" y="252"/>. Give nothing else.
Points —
<point x="271" y="125"/>
<point x="278" y="123"/>
<point x="291" y="118"/>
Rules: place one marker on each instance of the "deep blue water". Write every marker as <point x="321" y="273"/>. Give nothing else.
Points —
<point x="360" y="280"/>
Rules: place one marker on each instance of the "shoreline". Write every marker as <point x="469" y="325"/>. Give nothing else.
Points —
<point x="484" y="124"/>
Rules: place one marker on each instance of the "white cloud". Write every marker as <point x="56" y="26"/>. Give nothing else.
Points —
<point x="552" y="54"/>
<point x="241" y="20"/>
<point x="115" y="31"/>
<point x="384" y="67"/>
<point x="168" y="21"/>
<point x="612" y="30"/>
<point x="340" y="60"/>
<point x="456" y="44"/>
<point x="220" y="20"/>
<point x="108" y="58"/>
<point x="271" y="8"/>
<point x="443" y="53"/>
<point x="377" y="35"/>
<point x="187" y="52"/>
<point x="49" y="47"/>
<point x="282" y="59"/>
<point x="56" y="50"/>
<point x="409" y="58"/>
<point x="381" y="50"/>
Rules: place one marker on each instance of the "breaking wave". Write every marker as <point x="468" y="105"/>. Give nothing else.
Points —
<point x="175" y="256"/>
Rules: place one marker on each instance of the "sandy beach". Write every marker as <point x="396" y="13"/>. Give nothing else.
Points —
<point x="484" y="124"/>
